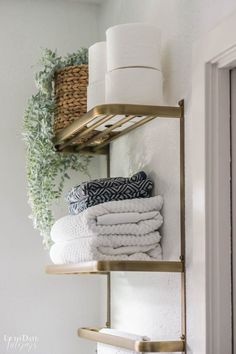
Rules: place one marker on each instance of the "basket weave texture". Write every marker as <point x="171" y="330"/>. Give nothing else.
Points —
<point x="70" y="89"/>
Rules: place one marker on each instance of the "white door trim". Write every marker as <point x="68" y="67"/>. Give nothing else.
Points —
<point x="208" y="270"/>
<point x="218" y="228"/>
<point x="233" y="193"/>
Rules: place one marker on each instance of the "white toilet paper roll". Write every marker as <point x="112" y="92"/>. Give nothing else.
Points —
<point x="133" y="44"/>
<point x="95" y="94"/>
<point x="97" y="62"/>
<point x="134" y="85"/>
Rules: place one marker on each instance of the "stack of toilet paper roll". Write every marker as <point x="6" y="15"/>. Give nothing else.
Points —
<point x="131" y="68"/>
<point x="133" y="64"/>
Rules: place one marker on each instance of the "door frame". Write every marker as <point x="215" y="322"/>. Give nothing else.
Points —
<point x="209" y="249"/>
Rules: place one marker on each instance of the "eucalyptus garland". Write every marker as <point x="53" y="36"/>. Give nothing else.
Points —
<point x="46" y="168"/>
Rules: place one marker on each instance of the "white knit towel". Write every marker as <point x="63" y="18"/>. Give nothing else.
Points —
<point x="108" y="349"/>
<point x="125" y="218"/>
<point x="108" y="247"/>
<point x="86" y="224"/>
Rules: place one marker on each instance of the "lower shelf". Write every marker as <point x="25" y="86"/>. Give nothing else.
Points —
<point x="136" y="346"/>
<point x="116" y="266"/>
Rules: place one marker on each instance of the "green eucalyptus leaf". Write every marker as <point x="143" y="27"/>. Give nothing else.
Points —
<point x="46" y="168"/>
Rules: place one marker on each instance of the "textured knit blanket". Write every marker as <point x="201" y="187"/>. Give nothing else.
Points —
<point x="145" y="211"/>
<point x="104" y="190"/>
<point x="108" y="247"/>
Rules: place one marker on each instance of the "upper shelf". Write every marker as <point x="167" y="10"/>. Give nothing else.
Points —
<point x="98" y="267"/>
<point x="92" y="132"/>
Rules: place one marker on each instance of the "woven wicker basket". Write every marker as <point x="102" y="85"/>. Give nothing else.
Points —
<point x="70" y="88"/>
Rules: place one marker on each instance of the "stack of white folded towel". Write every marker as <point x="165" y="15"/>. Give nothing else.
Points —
<point x="126" y="68"/>
<point x="116" y="230"/>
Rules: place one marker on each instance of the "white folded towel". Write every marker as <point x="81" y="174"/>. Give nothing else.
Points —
<point x="108" y="349"/>
<point x="86" y="223"/>
<point x="107" y="247"/>
<point x="125" y="218"/>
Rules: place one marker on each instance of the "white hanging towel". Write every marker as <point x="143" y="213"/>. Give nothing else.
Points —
<point x="133" y="44"/>
<point x="108" y="349"/>
<point x="134" y="86"/>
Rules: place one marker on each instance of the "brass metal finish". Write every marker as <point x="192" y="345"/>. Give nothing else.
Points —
<point x="133" y="345"/>
<point x="108" y="161"/>
<point x="87" y="151"/>
<point x="77" y="129"/>
<point x="100" y="267"/>
<point x="182" y="219"/>
<point x="127" y="130"/>
<point x="108" y="130"/>
<point x="85" y="132"/>
<point x="108" y="323"/>
<point x="102" y="120"/>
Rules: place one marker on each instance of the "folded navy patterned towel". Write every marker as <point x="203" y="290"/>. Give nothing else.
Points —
<point x="103" y="190"/>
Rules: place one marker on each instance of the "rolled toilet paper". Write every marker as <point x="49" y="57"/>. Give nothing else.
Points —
<point x="133" y="44"/>
<point x="95" y="94"/>
<point x="134" y="85"/>
<point x="97" y="62"/>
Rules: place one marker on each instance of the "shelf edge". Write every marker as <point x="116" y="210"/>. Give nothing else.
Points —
<point x="116" y="109"/>
<point x="93" y="334"/>
<point x="104" y="267"/>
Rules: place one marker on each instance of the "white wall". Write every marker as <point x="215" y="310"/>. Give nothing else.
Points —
<point x="149" y="304"/>
<point x="31" y="302"/>
<point x="50" y="307"/>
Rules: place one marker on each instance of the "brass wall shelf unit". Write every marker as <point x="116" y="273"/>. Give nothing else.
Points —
<point x="92" y="134"/>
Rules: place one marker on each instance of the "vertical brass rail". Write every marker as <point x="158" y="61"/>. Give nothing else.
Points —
<point x="108" y="322"/>
<point x="182" y="220"/>
<point x="182" y="230"/>
<point x="108" y="162"/>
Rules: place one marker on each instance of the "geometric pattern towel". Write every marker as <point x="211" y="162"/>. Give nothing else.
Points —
<point x="86" y="224"/>
<point x="104" y="190"/>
